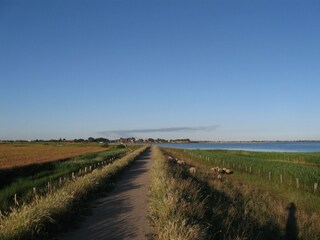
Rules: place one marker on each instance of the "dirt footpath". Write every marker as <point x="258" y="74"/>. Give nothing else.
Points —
<point x="122" y="214"/>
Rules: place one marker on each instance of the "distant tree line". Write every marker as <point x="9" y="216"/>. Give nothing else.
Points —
<point x="91" y="140"/>
<point x="105" y="140"/>
<point x="181" y="140"/>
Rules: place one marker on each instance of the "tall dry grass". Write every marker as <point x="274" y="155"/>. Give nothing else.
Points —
<point x="33" y="221"/>
<point x="177" y="205"/>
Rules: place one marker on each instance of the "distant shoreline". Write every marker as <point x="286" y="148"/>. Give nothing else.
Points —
<point x="252" y="142"/>
<point x="265" y="146"/>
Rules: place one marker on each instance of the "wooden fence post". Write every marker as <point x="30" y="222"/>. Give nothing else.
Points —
<point x="280" y="178"/>
<point x="250" y="170"/>
<point x="315" y="187"/>
<point x="15" y="200"/>
<point x="297" y="182"/>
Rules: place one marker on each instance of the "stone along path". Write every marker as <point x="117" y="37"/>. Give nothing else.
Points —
<point x="123" y="213"/>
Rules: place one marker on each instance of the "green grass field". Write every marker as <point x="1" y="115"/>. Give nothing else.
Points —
<point x="286" y="166"/>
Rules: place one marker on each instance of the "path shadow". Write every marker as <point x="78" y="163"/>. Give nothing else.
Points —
<point x="291" y="226"/>
<point x="237" y="225"/>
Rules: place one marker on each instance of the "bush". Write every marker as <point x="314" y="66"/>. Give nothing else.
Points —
<point x="105" y="145"/>
<point x="121" y="146"/>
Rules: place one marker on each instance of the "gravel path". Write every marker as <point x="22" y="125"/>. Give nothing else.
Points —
<point x="122" y="214"/>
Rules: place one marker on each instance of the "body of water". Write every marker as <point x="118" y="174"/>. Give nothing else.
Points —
<point x="263" y="146"/>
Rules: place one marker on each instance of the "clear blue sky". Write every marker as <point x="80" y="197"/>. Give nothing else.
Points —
<point x="225" y="70"/>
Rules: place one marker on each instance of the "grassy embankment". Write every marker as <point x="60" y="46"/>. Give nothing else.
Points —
<point x="22" y="180"/>
<point x="247" y="205"/>
<point x="45" y="214"/>
<point x="177" y="203"/>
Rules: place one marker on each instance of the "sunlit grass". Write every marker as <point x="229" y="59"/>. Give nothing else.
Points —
<point x="177" y="206"/>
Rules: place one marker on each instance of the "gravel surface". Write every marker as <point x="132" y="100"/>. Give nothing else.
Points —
<point x="123" y="213"/>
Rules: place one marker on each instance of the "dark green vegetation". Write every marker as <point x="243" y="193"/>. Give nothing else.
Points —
<point x="22" y="180"/>
<point x="247" y="205"/>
